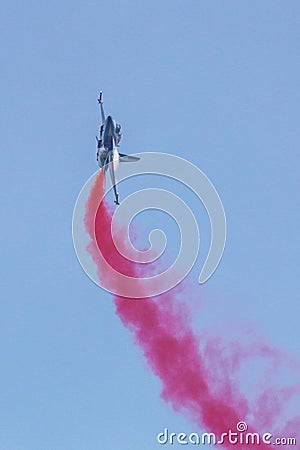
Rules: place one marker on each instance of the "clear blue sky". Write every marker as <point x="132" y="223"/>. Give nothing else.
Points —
<point x="216" y="82"/>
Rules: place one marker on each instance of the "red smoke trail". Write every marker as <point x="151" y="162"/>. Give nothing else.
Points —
<point x="197" y="383"/>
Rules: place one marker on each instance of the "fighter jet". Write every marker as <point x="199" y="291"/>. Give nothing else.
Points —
<point x="110" y="135"/>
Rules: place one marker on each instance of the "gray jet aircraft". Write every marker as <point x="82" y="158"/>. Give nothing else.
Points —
<point x="107" y="147"/>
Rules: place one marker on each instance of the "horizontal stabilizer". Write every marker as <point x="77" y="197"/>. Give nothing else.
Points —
<point x="128" y="158"/>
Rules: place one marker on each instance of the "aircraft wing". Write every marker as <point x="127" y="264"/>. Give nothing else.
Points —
<point x="128" y="158"/>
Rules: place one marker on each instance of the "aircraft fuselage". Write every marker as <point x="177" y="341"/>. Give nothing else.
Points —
<point x="110" y="137"/>
<point x="107" y="143"/>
